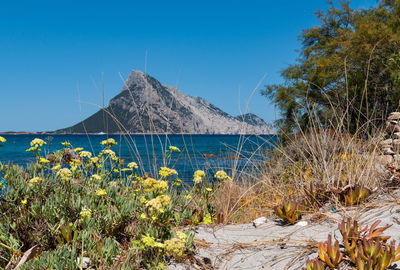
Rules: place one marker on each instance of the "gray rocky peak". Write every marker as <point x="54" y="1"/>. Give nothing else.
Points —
<point x="146" y="106"/>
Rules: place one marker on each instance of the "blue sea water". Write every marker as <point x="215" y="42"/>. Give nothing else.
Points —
<point x="207" y="152"/>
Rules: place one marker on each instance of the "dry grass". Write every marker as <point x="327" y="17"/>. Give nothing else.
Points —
<point x="327" y="159"/>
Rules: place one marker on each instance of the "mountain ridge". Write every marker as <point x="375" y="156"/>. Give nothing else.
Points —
<point x="144" y="105"/>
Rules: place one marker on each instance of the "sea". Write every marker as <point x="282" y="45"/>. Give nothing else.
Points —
<point x="236" y="154"/>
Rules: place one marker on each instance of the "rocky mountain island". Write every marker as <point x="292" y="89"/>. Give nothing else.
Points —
<point x="144" y="105"/>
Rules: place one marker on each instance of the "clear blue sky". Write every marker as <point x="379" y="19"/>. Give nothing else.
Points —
<point x="219" y="50"/>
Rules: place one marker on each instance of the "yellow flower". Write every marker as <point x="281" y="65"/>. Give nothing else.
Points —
<point x="199" y="173"/>
<point x="75" y="162"/>
<point x="86" y="213"/>
<point x="207" y="219"/>
<point x="85" y="154"/>
<point x="197" y="179"/>
<point x="43" y="160"/>
<point x="165" y="172"/>
<point x="150" y="183"/>
<point x="209" y="189"/>
<point x="143" y="216"/>
<point x="162" y="185"/>
<point x="33" y="148"/>
<point x="174" y="149"/>
<point x="161" y="266"/>
<point x="109" y="152"/>
<point x="24" y="201"/>
<point x="94" y="160"/>
<point x="35" y="180"/>
<point x="165" y="200"/>
<point x="37" y="142"/>
<point x="57" y="167"/>
<point x="155" y="205"/>
<point x="132" y="165"/>
<point x="175" y="247"/>
<point x="182" y="236"/>
<point x="101" y="192"/>
<point x="221" y="175"/>
<point x="109" y="142"/>
<point x="2" y="140"/>
<point x="65" y="174"/>
<point x="148" y="240"/>
<point x="95" y="177"/>
<point x="188" y="197"/>
<point x="78" y="149"/>
<point x="65" y="144"/>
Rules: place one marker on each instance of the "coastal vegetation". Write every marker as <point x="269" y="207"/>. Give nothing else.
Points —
<point x="72" y="209"/>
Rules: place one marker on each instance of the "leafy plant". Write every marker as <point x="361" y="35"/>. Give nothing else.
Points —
<point x="367" y="249"/>
<point x="354" y="194"/>
<point x="289" y="210"/>
<point x="315" y="264"/>
<point x="330" y="254"/>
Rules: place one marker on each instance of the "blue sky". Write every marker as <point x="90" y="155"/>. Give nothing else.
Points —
<point x="53" y="53"/>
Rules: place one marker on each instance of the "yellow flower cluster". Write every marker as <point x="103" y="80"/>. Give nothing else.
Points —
<point x="65" y="174"/>
<point x="207" y="219"/>
<point x="151" y="242"/>
<point x="74" y="163"/>
<point x="221" y="175"/>
<point x="110" y="152"/>
<point x="155" y="205"/>
<point x="109" y="142"/>
<point x="165" y="200"/>
<point x="37" y="142"/>
<point x="2" y="140"/>
<point x="165" y="172"/>
<point x="43" y="160"/>
<point x="151" y="184"/>
<point x="174" y="149"/>
<point x="176" y="246"/>
<point x="65" y="144"/>
<point x="101" y="192"/>
<point x="85" y="213"/>
<point x="57" y="167"/>
<point x="95" y="177"/>
<point x="35" y="180"/>
<point x="94" y="160"/>
<point x="198" y="176"/>
<point x="132" y="165"/>
<point x="148" y="240"/>
<point x="85" y="154"/>
<point x="78" y="149"/>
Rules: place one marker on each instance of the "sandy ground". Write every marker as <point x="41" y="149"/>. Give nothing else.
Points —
<point x="274" y="245"/>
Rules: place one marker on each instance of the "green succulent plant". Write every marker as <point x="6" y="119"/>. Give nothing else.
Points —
<point x="315" y="264"/>
<point x="330" y="253"/>
<point x="354" y="195"/>
<point x="289" y="210"/>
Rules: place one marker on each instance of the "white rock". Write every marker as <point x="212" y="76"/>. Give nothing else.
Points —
<point x="259" y="221"/>
<point x="394" y="116"/>
<point x="302" y="223"/>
